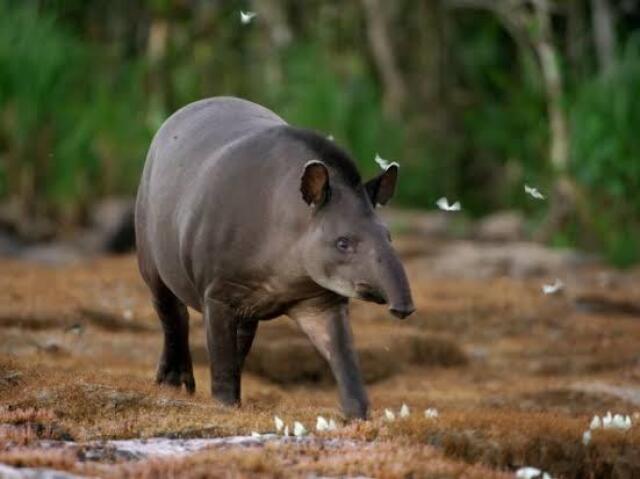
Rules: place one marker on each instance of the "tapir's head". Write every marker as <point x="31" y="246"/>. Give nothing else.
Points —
<point x="347" y="248"/>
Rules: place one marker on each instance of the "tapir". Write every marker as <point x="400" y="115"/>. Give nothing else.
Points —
<point x="244" y="218"/>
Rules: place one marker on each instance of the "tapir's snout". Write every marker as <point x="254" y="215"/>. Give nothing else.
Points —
<point x="367" y="292"/>
<point x="394" y="284"/>
<point x="402" y="311"/>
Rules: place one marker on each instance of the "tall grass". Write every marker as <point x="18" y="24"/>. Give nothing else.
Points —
<point x="67" y="123"/>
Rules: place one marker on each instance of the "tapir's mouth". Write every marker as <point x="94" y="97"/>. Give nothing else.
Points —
<point x="369" y="293"/>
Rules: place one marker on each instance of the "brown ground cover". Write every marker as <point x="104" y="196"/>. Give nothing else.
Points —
<point x="516" y="376"/>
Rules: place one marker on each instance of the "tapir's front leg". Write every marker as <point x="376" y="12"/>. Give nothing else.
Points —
<point x="221" y="326"/>
<point x="328" y="328"/>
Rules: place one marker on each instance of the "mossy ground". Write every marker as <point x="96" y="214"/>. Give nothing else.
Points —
<point x="516" y="376"/>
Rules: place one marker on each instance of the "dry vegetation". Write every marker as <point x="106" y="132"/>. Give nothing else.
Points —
<point x="515" y="375"/>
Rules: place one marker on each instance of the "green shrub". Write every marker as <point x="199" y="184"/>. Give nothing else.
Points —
<point x="606" y="155"/>
<point x="67" y="123"/>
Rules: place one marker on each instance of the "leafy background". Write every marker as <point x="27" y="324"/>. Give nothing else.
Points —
<point x="84" y="85"/>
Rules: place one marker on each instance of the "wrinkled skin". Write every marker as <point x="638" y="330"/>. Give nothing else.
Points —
<point x="245" y="218"/>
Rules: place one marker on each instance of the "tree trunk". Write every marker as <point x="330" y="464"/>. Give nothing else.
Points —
<point x="577" y="39"/>
<point x="382" y="51"/>
<point x="604" y="34"/>
<point x="552" y="77"/>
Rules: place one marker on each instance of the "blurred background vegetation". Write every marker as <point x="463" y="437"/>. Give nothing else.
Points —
<point x="473" y="98"/>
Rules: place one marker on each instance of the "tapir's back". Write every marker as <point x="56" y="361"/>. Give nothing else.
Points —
<point x="190" y="135"/>
<point x="183" y="152"/>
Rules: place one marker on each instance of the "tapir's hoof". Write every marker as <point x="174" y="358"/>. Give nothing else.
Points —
<point x="226" y="394"/>
<point x="176" y="377"/>
<point x="227" y="402"/>
<point x="356" y="410"/>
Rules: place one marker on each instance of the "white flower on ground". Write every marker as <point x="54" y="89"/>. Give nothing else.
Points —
<point x="279" y="423"/>
<point x="431" y="413"/>
<point x="286" y="431"/>
<point x="531" y="473"/>
<point x="322" y="424"/>
<point x="596" y="423"/>
<point x="255" y="434"/>
<point x="404" y="410"/>
<point x="332" y="425"/>
<point x="553" y="288"/>
<point x="389" y="415"/>
<point x="533" y="192"/>
<point x="443" y="204"/>
<point x="384" y="164"/>
<point x="246" y="17"/>
<point x="298" y="429"/>
<point x="586" y="437"/>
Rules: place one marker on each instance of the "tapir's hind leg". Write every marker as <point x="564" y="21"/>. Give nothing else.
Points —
<point x="175" y="367"/>
<point x="222" y="341"/>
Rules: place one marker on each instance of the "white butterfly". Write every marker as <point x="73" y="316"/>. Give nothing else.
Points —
<point x="389" y="415"/>
<point x="384" y="164"/>
<point x="531" y="473"/>
<point x="621" y="422"/>
<point x="444" y="205"/>
<point x="330" y="138"/>
<point x="596" y="423"/>
<point x="404" y="410"/>
<point x="279" y="423"/>
<point x="323" y="425"/>
<point x="246" y="17"/>
<point x="607" y="420"/>
<point x="586" y="437"/>
<point x="552" y="288"/>
<point x="431" y="413"/>
<point x="533" y="192"/>
<point x="298" y="429"/>
<point x="613" y="422"/>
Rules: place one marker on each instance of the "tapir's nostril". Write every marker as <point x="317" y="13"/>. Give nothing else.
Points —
<point x="402" y="312"/>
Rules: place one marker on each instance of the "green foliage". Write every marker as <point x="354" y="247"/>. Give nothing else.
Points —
<point x="66" y="127"/>
<point x="348" y="107"/>
<point x="606" y="154"/>
<point x="84" y="85"/>
<point x="505" y="118"/>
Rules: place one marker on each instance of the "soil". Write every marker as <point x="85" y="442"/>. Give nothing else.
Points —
<point x="516" y="375"/>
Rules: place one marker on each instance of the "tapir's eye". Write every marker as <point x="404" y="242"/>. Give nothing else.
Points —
<point x="343" y="244"/>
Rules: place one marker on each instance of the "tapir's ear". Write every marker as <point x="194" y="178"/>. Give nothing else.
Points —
<point x="314" y="183"/>
<point x="381" y="188"/>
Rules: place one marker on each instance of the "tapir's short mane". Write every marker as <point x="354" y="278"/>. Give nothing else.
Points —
<point x="328" y="152"/>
